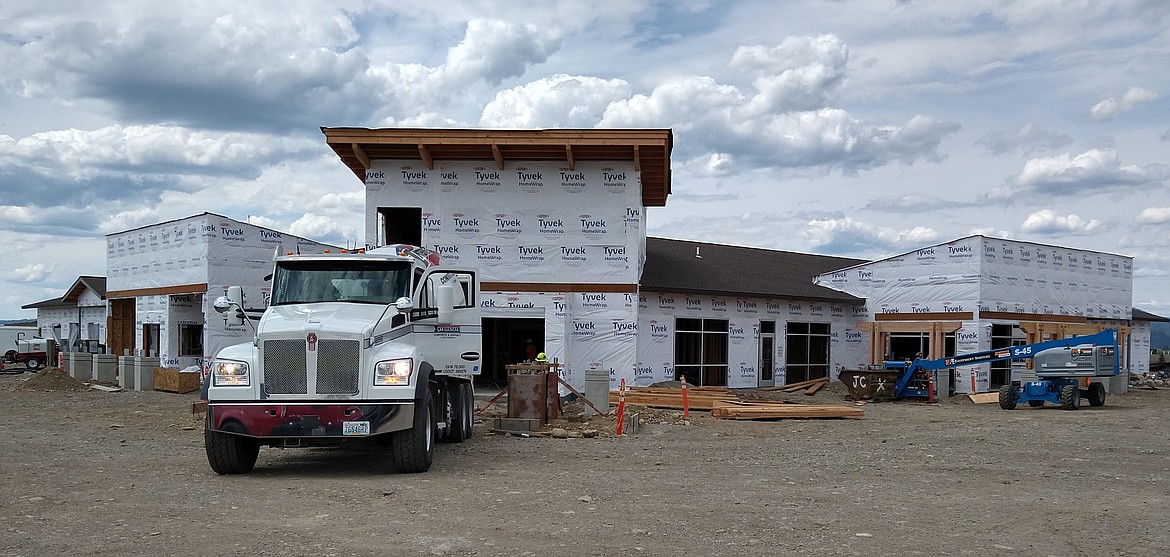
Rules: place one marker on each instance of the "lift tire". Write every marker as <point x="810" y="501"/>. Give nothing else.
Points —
<point x="1035" y="403"/>
<point x="10" y="356"/>
<point x="1096" y="394"/>
<point x="1070" y="397"/>
<point x="32" y="363"/>
<point x="228" y="453"/>
<point x="412" y="450"/>
<point x="1008" y="397"/>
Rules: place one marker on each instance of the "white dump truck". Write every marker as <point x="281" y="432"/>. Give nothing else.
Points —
<point x="376" y="345"/>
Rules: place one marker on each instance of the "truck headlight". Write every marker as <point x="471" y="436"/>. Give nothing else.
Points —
<point x="393" y="372"/>
<point x="228" y="373"/>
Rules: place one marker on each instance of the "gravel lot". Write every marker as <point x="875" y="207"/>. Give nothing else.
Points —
<point x="94" y="473"/>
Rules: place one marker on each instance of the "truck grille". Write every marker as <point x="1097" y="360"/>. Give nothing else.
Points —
<point x="288" y="364"/>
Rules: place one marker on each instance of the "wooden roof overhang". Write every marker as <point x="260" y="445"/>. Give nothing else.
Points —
<point x="648" y="149"/>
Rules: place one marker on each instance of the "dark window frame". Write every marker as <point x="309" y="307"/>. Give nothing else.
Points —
<point x="701" y="350"/>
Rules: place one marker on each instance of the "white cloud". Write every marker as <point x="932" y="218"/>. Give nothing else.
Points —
<point x="798" y="74"/>
<point x="845" y="235"/>
<point x="325" y="229"/>
<point x="1047" y="223"/>
<point x="1029" y="138"/>
<point x="127" y="219"/>
<point x="561" y="100"/>
<point x="1111" y="107"/>
<point x="990" y="232"/>
<point x="35" y="272"/>
<point x="263" y="222"/>
<point x="493" y="50"/>
<point x="83" y="154"/>
<point x="1095" y="170"/>
<point x="717" y="118"/>
<point x="1154" y="215"/>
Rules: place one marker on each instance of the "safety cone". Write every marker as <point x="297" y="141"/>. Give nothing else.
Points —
<point x="621" y="406"/>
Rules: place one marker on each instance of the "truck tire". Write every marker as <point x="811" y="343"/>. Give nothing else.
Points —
<point x="469" y="404"/>
<point x="1070" y="397"/>
<point x="1096" y="394"/>
<point x="412" y="450"/>
<point x="462" y="413"/>
<point x="1008" y="397"/>
<point x="452" y="414"/>
<point x="227" y="453"/>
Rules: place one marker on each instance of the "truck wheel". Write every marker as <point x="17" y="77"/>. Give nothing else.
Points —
<point x="463" y="413"/>
<point x="1070" y="397"/>
<point x="227" y="453"/>
<point x="1008" y="397"/>
<point x="456" y="415"/>
<point x="469" y="405"/>
<point x="1035" y="403"/>
<point x="1096" y="394"/>
<point x="32" y="363"/>
<point x="412" y="450"/>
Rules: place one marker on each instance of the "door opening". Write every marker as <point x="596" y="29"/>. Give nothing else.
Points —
<point x="150" y="339"/>
<point x="400" y="225"/>
<point x="505" y="341"/>
<point x="767" y="353"/>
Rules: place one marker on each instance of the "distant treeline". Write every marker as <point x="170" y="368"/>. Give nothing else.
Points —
<point x="1160" y="335"/>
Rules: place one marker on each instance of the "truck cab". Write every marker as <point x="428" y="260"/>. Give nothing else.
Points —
<point x="377" y="345"/>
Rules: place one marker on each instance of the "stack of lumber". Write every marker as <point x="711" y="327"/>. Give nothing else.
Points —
<point x="809" y="387"/>
<point x="761" y="410"/>
<point x="698" y="398"/>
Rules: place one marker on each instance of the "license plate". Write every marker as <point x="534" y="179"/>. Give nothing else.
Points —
<point x="355" y="428"/>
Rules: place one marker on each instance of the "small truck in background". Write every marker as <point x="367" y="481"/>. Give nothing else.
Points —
<point x="378" y="345"/>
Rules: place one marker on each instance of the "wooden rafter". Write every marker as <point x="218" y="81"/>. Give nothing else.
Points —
<point x="361" y="155"/>
<point x="426" y="156"/>
<point x="647" y="150"/>
<point x="499" y="157"/>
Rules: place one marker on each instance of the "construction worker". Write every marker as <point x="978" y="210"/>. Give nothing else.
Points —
<point x="531" y="351"/>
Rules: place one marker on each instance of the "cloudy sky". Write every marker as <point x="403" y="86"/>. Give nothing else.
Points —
<point x="859" y="128"/>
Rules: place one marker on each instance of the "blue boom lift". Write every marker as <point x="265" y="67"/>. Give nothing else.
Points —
<point x="1059" y="366"/>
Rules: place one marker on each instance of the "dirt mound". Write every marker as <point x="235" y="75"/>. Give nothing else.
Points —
<point x="53" y="379"/>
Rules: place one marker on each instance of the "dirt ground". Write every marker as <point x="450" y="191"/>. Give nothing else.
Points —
<point x="96" y="473"/>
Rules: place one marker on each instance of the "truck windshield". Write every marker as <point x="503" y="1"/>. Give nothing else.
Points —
<point x="366" y="282"/>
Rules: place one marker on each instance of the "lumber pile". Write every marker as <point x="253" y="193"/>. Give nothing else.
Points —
<point x="809" y="387"/>
<point x="762" y="410"/>
<point x="698" y="398"/>
<point x="984" y="398"/>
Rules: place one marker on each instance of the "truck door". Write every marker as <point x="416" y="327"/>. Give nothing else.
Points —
<point x="452" y="348"/>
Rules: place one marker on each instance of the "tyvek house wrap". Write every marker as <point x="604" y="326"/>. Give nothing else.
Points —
<point x="991" y="274"/>
<point x="206" y="248"/>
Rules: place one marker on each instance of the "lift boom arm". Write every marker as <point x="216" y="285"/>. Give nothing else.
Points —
<point x="1107" y="337"/>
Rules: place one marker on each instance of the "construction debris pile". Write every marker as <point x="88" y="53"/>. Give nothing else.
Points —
<point x="1149" y="380"/>
<point x="663" y="404"/>
<point x="53" y="379"/>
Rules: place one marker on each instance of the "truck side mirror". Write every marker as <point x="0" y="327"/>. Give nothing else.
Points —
<point x="231" y="306"/>
<point x="445" y="302"/>
<point x="404" y="304"/>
